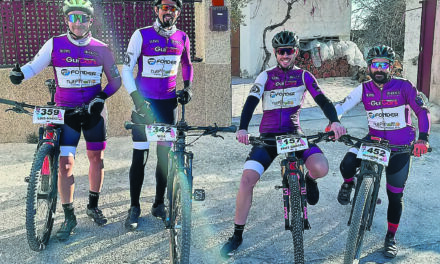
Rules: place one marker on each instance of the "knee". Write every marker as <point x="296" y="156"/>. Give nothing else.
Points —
<point x="348" y="165"/>
<point x="249" y="179"/>
<point x="317" y="166"/>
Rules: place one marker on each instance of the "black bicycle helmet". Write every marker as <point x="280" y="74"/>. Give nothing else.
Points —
<point x="381" y="51"/>
<point x="285" y="39"/>
<point x="178" y="3"/>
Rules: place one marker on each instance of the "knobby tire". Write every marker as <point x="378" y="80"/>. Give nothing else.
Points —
<point x="359" y="219"/>
<point x="41" y="198"/>
<point x="296" y="219"/>
<point x="180" y="231"/>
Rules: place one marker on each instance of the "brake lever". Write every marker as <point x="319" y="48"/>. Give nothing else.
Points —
<point x="215" y="135"/>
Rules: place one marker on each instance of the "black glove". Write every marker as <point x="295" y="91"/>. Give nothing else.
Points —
<point x="184" y="96"/>
<point x="97" y="104"/>
<point x="143" y="109"/>
<point x="16" y="75"/>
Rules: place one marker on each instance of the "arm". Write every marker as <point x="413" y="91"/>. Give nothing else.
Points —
<point x="112" y="73"/>
<point x="418" y="103"/>
<point x="350" y="101"/>
<point x="131" y="57"/>
<point x="40" y="61"/>
<point x="185" y="95"/>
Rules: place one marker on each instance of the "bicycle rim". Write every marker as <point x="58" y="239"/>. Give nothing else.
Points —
<point x="180" y="232"/>
<point x="296" y="219"/>
<point x="359" y="220"/>
<point x="41" y="198"/>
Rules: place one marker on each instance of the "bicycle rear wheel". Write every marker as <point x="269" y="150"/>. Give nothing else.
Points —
<point x="296" y="219"/>
<point x="180" y="232"/>
<point x="41" y="197"/>
<point x="359" y="220"/>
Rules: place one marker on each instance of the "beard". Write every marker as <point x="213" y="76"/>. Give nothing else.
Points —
<point x="380" y="77"/>
<point x="167" y="21"/>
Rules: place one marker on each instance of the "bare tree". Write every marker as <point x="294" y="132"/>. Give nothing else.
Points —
<point x="379" y="22"/>
<point x="268" y="54"/>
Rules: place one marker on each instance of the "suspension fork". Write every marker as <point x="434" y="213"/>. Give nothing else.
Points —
<point x="286" y="193"/>
<point x="375" y="194"/>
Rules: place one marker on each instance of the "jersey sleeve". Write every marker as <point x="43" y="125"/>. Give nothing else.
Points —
<point x="311" y="84"/>
<point x="130" y="60"/>
<point x="187" y="67"/>
<point x="112" y="73"/>
<point x="257" y="89"/>
<point x="40" y="61"/>
<point x="350" y="101"/>
<point x="418" y="103"/>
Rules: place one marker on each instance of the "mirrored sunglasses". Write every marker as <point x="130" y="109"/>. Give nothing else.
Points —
<point x="171" y="8"/>
<point x="288" y="51"/>
<point x="79" y="17"/>
<point x="383" y="65"/>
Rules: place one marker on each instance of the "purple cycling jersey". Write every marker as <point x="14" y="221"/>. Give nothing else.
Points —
<point x="78" y="68"/>
<point x="389" y="109"/>
<point x="158" y="60"/>
<point x="283" y="92"/>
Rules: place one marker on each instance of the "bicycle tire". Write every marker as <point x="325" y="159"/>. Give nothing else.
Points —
<point x="359" y="220"/>
<point x="41" y="192"/>
<point x="180" y="232"/>
<point x="296" y="219"/>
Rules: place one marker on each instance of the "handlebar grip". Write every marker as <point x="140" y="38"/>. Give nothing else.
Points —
<point x="231" y="129"/>
<point x="128" y="125"/>
<point x="429" y="149"/>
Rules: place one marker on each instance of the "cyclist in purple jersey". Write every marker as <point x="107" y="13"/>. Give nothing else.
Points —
<point x="282" y="89"/>
<point x="157" y="50"/>
<point x="388" y="102"/>
<point x="78" y="61"/>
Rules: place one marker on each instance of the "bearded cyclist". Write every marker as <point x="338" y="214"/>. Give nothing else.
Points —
<point x="157" y="50"/>
<point x="388" y="101"/>
<point x="282" y="89"/>
<point x="78" y="61"/>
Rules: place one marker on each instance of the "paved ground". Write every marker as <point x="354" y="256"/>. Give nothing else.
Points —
<point x="217" y="168"/>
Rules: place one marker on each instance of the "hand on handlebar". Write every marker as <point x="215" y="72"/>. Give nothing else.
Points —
<point x="420" y="148"/>
<point x="337" y="128"/>
<point x="243" y="136"/>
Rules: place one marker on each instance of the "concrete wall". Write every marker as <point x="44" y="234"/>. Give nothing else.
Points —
<point x="211" y="89"/>
<point x="412" y="40"/>
<point x="330" y="18"/>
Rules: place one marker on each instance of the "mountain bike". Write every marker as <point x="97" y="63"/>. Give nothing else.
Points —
<point x="375" y="155"/>
<point x="42" y="181"/>
<point x="293" y="182"/>
<point x="180" y="180"/>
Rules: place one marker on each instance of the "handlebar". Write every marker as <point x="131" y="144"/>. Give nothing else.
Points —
<point x="208" y="129"/>
<point x="19" y="107"/>
<point x="320" y="136"/>
<point x="348" y="140"/>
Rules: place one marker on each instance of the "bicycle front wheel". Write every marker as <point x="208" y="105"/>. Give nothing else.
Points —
<point x="359" y="220"/>
<point x="41" y="197"/>
<point x="180" y="232"/>
<point x="296" y="218"/>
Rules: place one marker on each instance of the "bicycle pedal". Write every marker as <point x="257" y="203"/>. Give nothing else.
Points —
<point x="26" y="179"/>
<point x="199" y="195"/>
<point x="277" y="187"/>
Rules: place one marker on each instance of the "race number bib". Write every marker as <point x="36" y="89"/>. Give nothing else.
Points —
<point x="290" y="144"/>
<point x="160" y="133"/>
<point x="43" y="115"/>
<point x="375" y="154"/>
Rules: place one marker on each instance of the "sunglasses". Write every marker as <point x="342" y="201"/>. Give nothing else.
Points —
<point x="79" y="17"/>
<point x="383" y="65"/>
<point x="171" y="8"/>
<point x="288" y="51"/>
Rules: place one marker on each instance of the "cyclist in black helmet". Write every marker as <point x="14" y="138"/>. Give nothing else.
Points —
<point x="388" y="101"/>
<point x="282" y="89"/>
